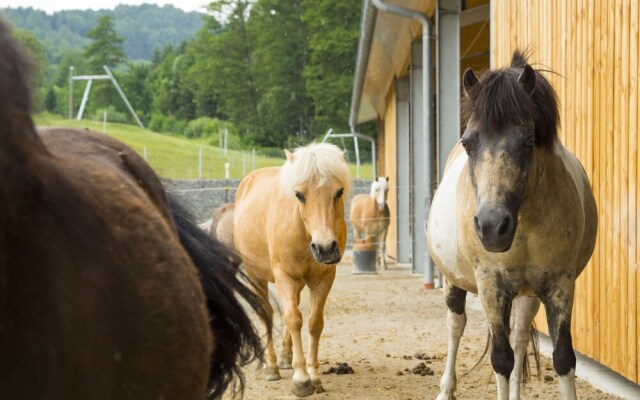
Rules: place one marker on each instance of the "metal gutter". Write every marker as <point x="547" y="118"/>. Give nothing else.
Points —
<point x="368" y="24"/>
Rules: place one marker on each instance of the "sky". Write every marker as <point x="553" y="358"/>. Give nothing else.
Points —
<point x="51" y="6"/>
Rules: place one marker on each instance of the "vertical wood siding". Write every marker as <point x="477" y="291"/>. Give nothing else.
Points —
<point x="592" y="46"/>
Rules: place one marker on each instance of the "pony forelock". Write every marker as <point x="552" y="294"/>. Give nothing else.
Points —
<point x="316" y="162"/>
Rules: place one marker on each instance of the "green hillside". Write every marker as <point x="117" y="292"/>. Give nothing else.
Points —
<point x="177" y="157"/>
<point x="145" y="28"/>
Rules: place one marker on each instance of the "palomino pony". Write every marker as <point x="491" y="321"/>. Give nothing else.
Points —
<point x="369" y="216"/>
<point x="222" y="224"/>
<point x="513" y="220"/>
<point x="106" y="290"/>
<point x="289" y="227"/>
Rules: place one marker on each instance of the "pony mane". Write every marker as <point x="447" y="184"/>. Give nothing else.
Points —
<point x="498" y="101"/>
<point x="315" y="162"/>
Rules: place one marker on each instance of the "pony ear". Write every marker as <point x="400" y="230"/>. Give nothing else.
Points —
<point x="527" y="79"/>
<point x="387" y="178"/>
<point x="469" y="80"/>
<point x="290" y="156"/>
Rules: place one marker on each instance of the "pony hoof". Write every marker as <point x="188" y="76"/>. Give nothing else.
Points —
<point x="303" y="389"/>
<point x="285" y="364"/>
<point x="272" y="374"/>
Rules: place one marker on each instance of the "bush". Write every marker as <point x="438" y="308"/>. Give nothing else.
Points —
<point x="113" y="115"/>
<point x="167" y="124"/>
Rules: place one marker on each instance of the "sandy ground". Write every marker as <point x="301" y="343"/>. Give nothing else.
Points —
<point x="377" y="324"/>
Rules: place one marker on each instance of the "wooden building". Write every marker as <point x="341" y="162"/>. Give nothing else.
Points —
<point x="592" y="46"/>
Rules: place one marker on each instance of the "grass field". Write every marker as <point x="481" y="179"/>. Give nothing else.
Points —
<point x="178" y="157"/>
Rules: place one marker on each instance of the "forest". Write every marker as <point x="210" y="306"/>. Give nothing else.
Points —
<point x="270" y="72"/>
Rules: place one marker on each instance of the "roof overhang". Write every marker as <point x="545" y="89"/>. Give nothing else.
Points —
<point x="388" y="55"/>
<point x="386" y="39"/>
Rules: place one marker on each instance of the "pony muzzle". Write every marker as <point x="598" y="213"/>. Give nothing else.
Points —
<point x="495" y="227"/>
<point x="328" y="253"/>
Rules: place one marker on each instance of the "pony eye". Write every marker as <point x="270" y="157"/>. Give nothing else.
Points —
<point x="531" y="142"/>
<point x="300" y="197"/>
<point x="339" y="193"/>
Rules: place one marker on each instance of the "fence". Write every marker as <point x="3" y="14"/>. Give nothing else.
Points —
<point x="593" y="48"/>
<point x="202" y="196"/>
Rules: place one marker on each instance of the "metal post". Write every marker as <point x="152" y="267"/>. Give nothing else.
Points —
<point x="244" y="163"/>
<point x="355" y="142"/>
<point x="200" y="162"/>
<point x="71" y="92"/>
<point x="144" y="153"/>
<point x="448" y="65"/>
<point x="85" y="97"/>
<point x="253" y="159"/>
<point x="220" y="140"/>
<point x="403" y="173"/>
<point x="115" y="83"/>
<point x="448" y="104"/>
<point x="104" y="121"/>
<point x="226" y="140"/>
<point x="226" y="186"/>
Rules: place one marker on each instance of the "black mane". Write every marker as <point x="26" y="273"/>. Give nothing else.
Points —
<point x="498" y="101"/>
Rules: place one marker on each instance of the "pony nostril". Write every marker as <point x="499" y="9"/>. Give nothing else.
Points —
<point x="504" y="226"/>
<point x="314" y="247"/>
<point x="334" y="246"/>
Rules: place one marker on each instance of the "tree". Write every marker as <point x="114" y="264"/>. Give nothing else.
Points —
<point x="50" y="103"/>
<point x="36" y="51"/>
<point x="135" y="84"/>
<point x="232" y="68"/>
<point x="105" y="49"/>
<point x="280" y="52"/>
<point x="333" y="29"/>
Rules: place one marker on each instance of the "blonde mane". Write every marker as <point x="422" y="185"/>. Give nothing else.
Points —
<point x="315" y="162"/>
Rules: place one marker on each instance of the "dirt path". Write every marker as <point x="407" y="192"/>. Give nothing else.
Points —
<point x="377" y="324"/>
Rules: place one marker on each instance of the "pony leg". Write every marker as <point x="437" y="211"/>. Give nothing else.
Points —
<point x="558" y="303"/>
<point x="496" y="299"/>
<point x="456" y="321"/>
<point x="319" y="288"/>
<point x="525" y="309"/>
<point x="286" y="356"/>
<point x="272" y="372"/>
<point x="289" y="287"/>
<point x="382" y="242"/>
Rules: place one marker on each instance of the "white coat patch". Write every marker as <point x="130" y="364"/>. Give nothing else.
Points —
<point x="443" y="231"/>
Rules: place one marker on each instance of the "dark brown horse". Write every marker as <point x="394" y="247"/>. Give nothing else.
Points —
<point x="107" y="291"/>
<point x="514" y="220"/>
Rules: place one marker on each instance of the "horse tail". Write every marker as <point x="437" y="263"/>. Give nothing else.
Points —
<point x="18" y="135"/>
<point x="237" y="343"/>
<point x="526" y="369"/>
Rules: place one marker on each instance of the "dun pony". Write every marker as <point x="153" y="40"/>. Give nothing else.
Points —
<point x="514" y="220"/>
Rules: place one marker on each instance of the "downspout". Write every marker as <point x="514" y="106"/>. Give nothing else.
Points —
<point x="368" y="25"/>
<point x="426" y="192"/>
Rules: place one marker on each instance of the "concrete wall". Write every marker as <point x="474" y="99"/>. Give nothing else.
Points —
<point x="202" y="196"/>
